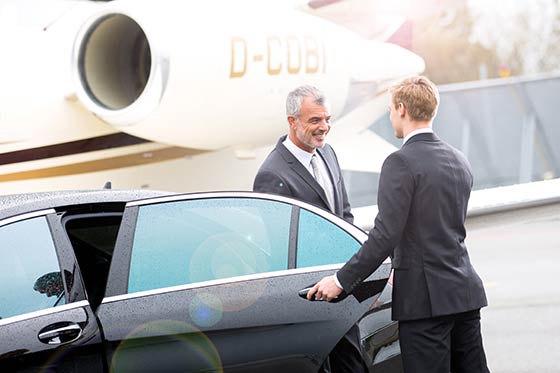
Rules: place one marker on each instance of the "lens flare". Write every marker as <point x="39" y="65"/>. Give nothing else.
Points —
<point x="206" y="310"/>
<point x="166" y="345"/>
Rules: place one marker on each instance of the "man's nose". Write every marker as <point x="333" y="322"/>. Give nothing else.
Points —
<point x="325" y="125"/>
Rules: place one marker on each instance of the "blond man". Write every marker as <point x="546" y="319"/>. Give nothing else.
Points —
<point x="424" y="189"/>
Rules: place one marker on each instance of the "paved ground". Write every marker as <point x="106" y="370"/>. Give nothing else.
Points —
<point x="518" y="257"/>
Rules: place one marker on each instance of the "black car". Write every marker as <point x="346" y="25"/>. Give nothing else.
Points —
<point x="132" y="281"/>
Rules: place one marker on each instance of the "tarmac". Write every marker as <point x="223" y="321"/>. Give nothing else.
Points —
<point x="517" y="254"/>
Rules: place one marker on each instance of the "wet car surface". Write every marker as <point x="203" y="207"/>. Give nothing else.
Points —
<point x="149" y="281"/>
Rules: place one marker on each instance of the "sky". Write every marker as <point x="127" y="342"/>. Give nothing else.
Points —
<point x="526" y="25"/>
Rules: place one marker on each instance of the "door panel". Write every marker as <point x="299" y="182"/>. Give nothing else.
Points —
<point x="37" y="329"/>
<point x="319" y="242"/>
<point x="207" y="286"/>
<point x="237" y="322"/>
<point x="22" y="349"/>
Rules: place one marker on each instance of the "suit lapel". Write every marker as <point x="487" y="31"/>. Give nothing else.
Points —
<point x="299" y="169"/>
<point x="330" y="167"/>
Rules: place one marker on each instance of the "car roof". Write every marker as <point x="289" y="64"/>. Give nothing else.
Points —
<point x="16" y="204"/>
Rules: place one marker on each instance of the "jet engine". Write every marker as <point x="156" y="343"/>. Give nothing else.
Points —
<point x="207" y="78"/>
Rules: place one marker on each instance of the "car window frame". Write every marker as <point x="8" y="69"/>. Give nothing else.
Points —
<point x="117" y="283"/>
<point x="73" y="292"/>
<point x="59" y="223"/>
<point x="68" y="262"/>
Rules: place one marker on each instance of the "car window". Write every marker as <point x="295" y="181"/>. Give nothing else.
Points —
<point x="29" y="270"/>
<point x="322" y="242"/>
<point x="184" y="242"/>
<point x="93" y="238"/>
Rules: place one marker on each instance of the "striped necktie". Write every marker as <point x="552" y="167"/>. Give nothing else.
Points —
<point x="322" y="180"/>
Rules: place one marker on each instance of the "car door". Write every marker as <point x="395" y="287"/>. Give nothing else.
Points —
<point x="45" y="320"/>
<point x="209" y="282"/>
<point x="319" y="244"/>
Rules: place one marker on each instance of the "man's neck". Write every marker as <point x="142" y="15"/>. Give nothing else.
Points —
<point x="414" y="125"/>
<point x="295" y="141"/>
<point x="415" y="132"/>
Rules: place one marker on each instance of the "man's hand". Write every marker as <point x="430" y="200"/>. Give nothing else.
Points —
<point x="326" y="289"/>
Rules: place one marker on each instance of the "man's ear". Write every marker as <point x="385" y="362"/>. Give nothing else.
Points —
<point x="292" y="121"/>
<point x="401" y="109"/>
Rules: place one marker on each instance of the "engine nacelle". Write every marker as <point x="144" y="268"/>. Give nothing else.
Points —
<point x="207" y="78"/>
<point x="119" y="73"/>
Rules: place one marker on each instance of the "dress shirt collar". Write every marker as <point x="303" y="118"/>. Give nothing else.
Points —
<point x="300" y="154"/>
<point x="417" y="132"/>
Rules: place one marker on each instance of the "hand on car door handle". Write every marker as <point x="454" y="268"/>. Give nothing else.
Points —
<point x="363" y="291"/>
<point x="303" y="293"/>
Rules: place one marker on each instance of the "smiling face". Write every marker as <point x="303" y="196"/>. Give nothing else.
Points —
<point x="309" y="130"/>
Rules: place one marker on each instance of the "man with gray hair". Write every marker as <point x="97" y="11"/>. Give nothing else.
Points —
<point x="303" y="165"/>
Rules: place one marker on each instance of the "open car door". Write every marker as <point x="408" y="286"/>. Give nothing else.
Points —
<point x="212" y="282"/>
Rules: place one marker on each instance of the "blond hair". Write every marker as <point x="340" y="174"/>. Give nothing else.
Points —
<point x="419" y="95"/>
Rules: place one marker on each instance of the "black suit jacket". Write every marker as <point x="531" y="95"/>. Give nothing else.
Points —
<point x="281" y="173"/>
<point x="423" y="193"/>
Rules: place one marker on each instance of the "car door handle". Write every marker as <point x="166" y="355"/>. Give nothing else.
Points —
<point x="363" y="291"/>
<point x="59" y="333"/>
<point x="303" y="293"/>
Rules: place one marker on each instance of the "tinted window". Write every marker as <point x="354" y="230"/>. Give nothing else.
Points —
<point x="321" y="242"/>
<point x="184" y="242"/>
<point x="29" y="270"/>
<point x="93" y="239"/>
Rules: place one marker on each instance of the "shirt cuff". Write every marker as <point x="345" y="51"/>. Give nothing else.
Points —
<point x="337" y="282"/>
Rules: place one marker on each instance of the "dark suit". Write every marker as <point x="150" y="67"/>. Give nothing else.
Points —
<point x="281" y="173"/>
<point x="423" y="193"/>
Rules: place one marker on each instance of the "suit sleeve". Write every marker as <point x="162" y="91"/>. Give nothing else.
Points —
<point x="269" y="182"/>
<point x="396" y="190"/>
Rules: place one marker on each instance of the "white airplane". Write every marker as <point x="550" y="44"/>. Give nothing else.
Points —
<point x="177" y="95"/>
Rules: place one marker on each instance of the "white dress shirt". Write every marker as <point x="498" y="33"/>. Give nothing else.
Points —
<point x="417" y="132"/>
<point x="301" y="155"/>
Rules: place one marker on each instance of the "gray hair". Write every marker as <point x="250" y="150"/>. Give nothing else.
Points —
<point x="295" y="98"/>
